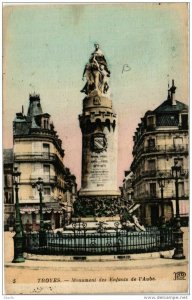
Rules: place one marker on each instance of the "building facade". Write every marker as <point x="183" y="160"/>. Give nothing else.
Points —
<point x="127" y="188"/>
<point x="9" y="208"/>
<point x="160" y="140"/>
<point x="38" y="153"/>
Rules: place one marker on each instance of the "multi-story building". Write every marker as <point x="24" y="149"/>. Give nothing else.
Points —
<point x="9" y="209"/>
<point x="161" y="138"/>
<point x="127" y="189"/>
<point x="38" y="153"/>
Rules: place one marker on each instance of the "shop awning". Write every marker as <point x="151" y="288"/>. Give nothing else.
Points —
<point x="47" y="208"/>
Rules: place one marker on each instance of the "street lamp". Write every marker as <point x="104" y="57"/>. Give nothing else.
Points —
<point x="18" y="237"/>
<point x="65" y="216"/>
<point x="161" y="182"/>
<point x="39" y="185"/>
<point x="178" y="253"/>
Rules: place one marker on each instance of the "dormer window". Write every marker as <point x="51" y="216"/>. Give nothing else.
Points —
<point x="151" y="121"/>
<point x="184" y="121"/>
<point x="45" y="123"/>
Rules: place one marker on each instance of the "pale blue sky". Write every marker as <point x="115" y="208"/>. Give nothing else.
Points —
<point x="46" y="48"/>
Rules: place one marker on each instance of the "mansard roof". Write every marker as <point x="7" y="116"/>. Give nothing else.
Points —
<point x="32" y="125"/>
<point x="168" y="107"/>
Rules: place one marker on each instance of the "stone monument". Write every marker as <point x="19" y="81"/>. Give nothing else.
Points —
<point x="99" y="195"/>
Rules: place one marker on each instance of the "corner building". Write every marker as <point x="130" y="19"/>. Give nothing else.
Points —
<point x="38" y="153"/>
<point x="160" y="139"/>
<point x="9" y="208"/>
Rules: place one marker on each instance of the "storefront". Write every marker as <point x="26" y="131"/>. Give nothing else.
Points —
<point x="52" y="216"/>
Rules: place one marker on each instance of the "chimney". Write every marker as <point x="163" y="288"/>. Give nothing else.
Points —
<point x="172" y="90"/>
<point x="34" y="105"/>
<point x="169" y="96"/>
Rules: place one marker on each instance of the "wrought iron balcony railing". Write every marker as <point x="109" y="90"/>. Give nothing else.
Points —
<point x="35" y="156"/>
<point x="156" y="196"/>
<point x="161" y="148"/>
<point x="158" y="173"/>
<point x="46" y="178"/>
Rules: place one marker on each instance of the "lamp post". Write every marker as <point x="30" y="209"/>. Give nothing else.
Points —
<point x="39" y="185"/>
<point x="161" y="182"/>
<point x="178" y="233"/>
<point x="65" y="216"/>
<point x="18" y="237"/>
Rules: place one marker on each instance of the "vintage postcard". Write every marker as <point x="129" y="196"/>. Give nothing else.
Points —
<point x="96" y="149"/>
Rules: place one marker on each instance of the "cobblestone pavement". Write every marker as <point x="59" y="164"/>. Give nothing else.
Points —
<point x="142" y="274"/>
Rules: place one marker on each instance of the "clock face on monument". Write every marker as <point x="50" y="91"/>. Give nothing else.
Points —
<point x="98" y="142"/>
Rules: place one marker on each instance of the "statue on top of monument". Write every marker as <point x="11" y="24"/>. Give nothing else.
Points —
<point x="96" y="73"/>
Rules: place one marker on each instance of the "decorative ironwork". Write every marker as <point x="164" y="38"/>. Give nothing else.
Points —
<point x="165" y="149"/>
<point x="81" y="241"/>
<point x="18" y="237"/>
<point x="178" y="253"/>
<point x="157" y="174"/>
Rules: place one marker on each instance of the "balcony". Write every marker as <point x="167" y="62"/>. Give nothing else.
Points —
<point x="166" y="148"/>
<point x="155" y="174"/>
<point x="160" y="149"/>
<point x="157" y="197"/>
<point x="36" y="156"/>
<point x="47" y="179"/>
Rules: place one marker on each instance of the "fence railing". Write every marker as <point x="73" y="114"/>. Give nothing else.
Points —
<point x="83" y="242"/>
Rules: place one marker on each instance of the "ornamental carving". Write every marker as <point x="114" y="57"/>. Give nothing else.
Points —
<point x="98" y="142"/>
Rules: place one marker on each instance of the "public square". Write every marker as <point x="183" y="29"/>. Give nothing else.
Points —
<point x="96" y="149"/>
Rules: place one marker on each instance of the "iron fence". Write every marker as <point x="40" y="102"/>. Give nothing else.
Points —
<point x="101" y="242"/>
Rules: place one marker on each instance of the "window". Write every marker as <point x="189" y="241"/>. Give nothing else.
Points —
<point x="151" y="143"/>
<point x="8" y="180"/>
<point x="36" y="167"/>
<point x="46" y="149"/>
<point x="36" y="147"/>
<point x="46" y="169"/>
<point x="8" y="198"/>
<point x="45" y="124"/>
<point x="5" y="180"/>
<point x="46" y="172"/>
<point x="47" y="191"/>
<point x="152" y="187"/>
<point x="184" y="121"/>
<point x="178" y="143"/>
<point x="180" y="161"/>
<point x="181" y="189"/>
<point x="151" y="121"/>
<point x="33" y="218"/>
<point x="151" y="165"/>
